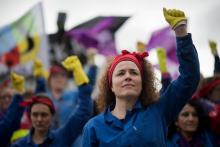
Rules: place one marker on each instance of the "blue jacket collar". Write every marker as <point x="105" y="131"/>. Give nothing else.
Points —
<point x="50" y="136"/>
<point x="115" y="122"/>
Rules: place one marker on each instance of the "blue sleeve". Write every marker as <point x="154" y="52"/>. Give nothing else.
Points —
<point x="92" y="73"/>
<point x="11" y="120"/>
<point x="78" y="119"/>
<point x="180" y="90"/>
<point x="217" y="65"/>
<point x="41" y="85"/>
<point x="89" y="137"/>
<point x="165" y="80"/>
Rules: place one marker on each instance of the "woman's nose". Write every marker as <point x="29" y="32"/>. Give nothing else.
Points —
<point x="191" y="117"/>
<point x="127" y="76"/>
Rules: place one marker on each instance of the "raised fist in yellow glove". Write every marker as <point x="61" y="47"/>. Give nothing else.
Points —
<point x="140" y="46"/>
<point x="38" y="70"/>
<point x="174" y="17"/>
<point x="162" y="59"/>
<point x="213" y="47"/>
<point x="73" y="64"/>
<point x="18" y="82"/>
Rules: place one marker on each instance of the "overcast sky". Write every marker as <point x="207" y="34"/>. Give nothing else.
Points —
<point x="147" y="16"/>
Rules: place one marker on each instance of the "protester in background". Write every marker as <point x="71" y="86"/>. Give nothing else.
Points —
<point x="11" y="119"/>
<point x="190" y="128"/>
<point x="208" y="96"/>
<point x="210" y="89"/>
<point x="41" y="112"/>
<point x="6" y="96"/>
<point x="133" y="113"/>
<point x="55" y="86"/>
<point x="64" y="98"/>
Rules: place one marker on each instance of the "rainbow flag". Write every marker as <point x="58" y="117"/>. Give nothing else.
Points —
<point x="24" y="40"/>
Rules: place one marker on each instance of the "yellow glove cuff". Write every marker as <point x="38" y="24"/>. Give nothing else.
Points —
<point x="80" y="77"/>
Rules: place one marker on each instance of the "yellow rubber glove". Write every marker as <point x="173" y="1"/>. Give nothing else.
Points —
<point x="140" y="46"/>
<point x="38" y="69"/>
<point x="213" y="47"/>
<point x="162" y="59"/>
<point x="18" y="82"/>
<point x="174" y="17"/>
<point x="73" y="64"/>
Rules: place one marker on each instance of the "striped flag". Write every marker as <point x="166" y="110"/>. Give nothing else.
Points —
<point x="22" y="41"/>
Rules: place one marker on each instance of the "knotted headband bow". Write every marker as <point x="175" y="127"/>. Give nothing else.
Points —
<point x="125" y="55"/>
<point x="39" y="99"/>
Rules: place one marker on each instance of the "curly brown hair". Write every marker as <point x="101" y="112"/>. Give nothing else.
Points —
<point x="149" y="93"/>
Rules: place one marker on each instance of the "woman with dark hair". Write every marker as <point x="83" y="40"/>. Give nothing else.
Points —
<point x="190" y="128"/>
<point x="134" y="114"/>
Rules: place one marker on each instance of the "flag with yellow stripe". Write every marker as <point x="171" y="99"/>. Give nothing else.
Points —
<point x="24" y="40"/>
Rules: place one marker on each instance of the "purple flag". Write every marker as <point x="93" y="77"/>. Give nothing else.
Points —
<point x="166" y="39"/>
<point x="98" y="33"/>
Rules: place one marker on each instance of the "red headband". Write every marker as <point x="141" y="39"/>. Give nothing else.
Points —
<point x="4" y="84"/>
<point x="137" y="58"/>
<point x="57" y="70"/>
<point x="206" y="89"/>
<point x="39" y="99"/>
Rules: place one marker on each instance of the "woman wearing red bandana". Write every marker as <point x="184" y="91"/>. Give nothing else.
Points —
<point x="208" y="96"/>
<point x="41" y="112"/>
<point x="133" y="113"/>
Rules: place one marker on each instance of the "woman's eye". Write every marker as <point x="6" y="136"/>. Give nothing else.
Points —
<point x="134" y="73"/>
<point x="185" y="114"/>
<point x="120" y="73"/>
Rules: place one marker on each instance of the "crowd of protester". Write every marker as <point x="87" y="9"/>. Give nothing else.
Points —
<point x="119" y="105"/>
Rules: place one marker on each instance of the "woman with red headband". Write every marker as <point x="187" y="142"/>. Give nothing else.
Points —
<point x="208" y="96"/>
<point x="134" y="114"/>
<point x="41" y="111"/>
